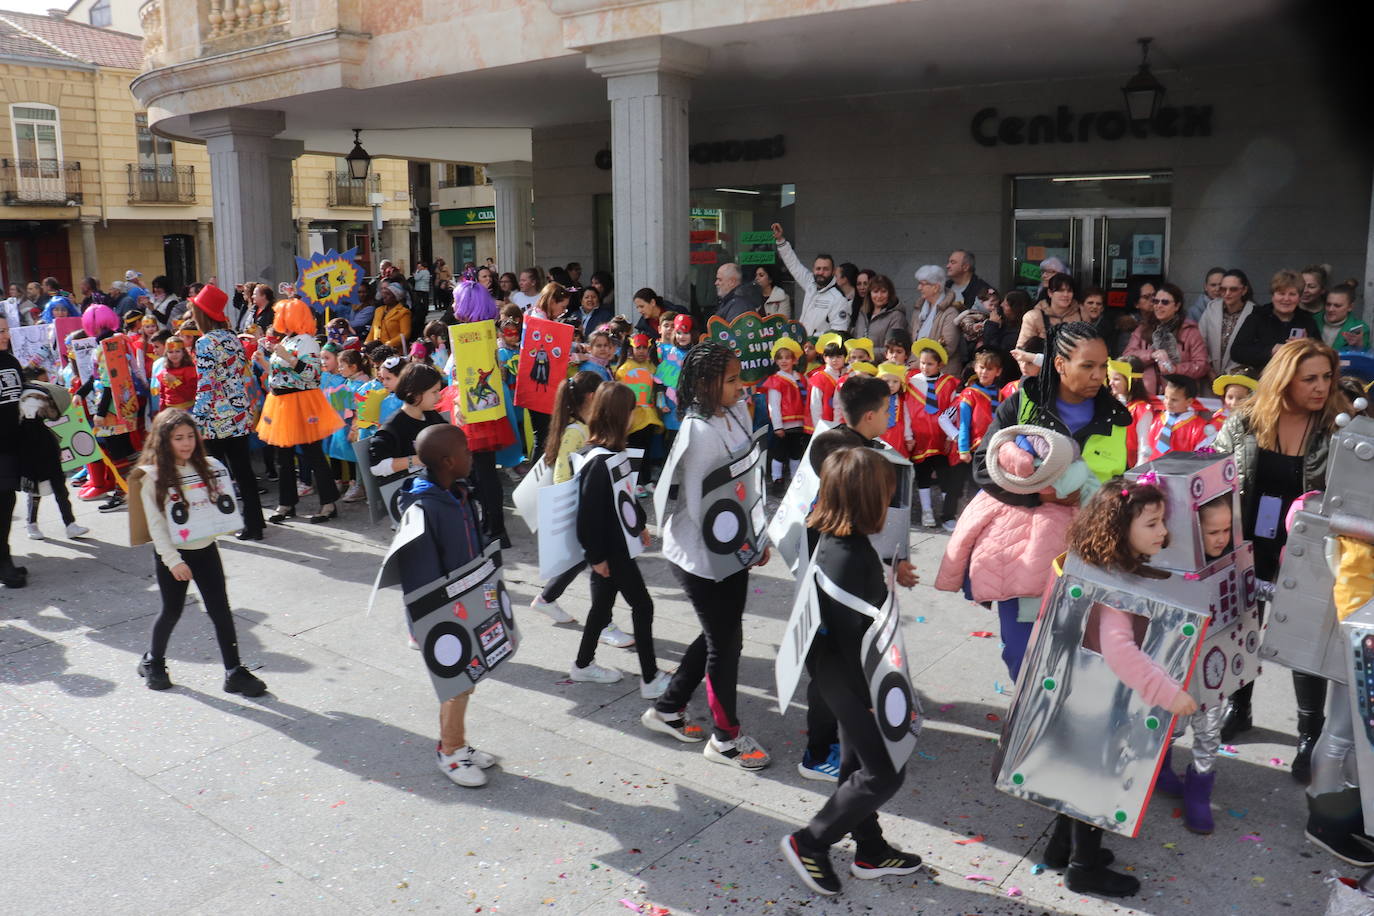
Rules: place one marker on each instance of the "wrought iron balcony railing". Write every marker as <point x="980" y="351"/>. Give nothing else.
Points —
<point x="41" y="182"/>
<point x="162" y="184"/>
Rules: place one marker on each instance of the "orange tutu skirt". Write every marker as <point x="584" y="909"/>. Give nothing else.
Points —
<point x="297" y="418"/>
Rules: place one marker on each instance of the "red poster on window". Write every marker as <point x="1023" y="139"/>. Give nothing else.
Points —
<point x="1117" y="298"/>
<point x="702" y="236"/>
<point x="704" y="257"/>
<point x="545" y="347"/>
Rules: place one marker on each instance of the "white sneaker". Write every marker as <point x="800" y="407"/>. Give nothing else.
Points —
<point x="616" y="637"/>
<point x="640" y="492"/>
<point x="652" y="690"/>
<point x="927" y="518"/>
<point x="679" y="726"/>
<point x="480" y="759"/>
<point x="304" y="489"/>
<point x="461" y="768"/>
<point x="76" y="531"/>
<point x="594" y="674"/>
<point x="413" y="644"/>
<point x="950" y="525"/>
<point x="551" y="608"/>
<point x="34" y="533"/>
<point x="744" y="752"/>
<point x="355" y="493"/>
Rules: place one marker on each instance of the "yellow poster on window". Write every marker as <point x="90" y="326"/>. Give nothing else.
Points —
<point x="481" y="395"/>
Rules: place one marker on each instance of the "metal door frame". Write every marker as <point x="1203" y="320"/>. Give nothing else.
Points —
<point x="1089" y="250"/>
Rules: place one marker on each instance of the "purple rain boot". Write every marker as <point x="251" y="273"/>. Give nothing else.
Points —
<point x="1168" y="782"/>
<point x="1197" y="800"/>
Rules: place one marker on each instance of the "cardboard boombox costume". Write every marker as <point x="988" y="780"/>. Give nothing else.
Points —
<point x="559" y="548"/>
<point x="882" y="656"/>
<point x="1079" y="741"/>
<point x="193" y="514"/>
<point x="383" y="493"/>
<point x="462" y="619"/>
<point x="787" y="530"/>
<point x="733" y="524"/>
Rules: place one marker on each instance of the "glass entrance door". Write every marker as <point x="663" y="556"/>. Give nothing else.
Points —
<point x="1101" y="247"/>
<point x="1128" y="247"/>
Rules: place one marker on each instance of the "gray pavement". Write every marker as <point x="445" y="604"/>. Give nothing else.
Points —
<point x="323" y="797"/>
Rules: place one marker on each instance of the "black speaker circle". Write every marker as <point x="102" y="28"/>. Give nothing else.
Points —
<point x="225" y="503"/>
<point x="894" y="706"/>
<point x="507" y="609"/>
<point x="437" y="641"/>
<point x="724" y="526"/>
<point x="82" y="444"/>
<point x="180" y="513"/>
<point x="393" y="505"/>
<point x="631" y="513"/>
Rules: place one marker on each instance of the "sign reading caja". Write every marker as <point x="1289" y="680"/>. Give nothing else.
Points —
<point x="1063" y="126"/>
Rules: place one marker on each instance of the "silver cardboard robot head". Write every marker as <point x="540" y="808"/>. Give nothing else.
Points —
<point x="1191" y="480"/>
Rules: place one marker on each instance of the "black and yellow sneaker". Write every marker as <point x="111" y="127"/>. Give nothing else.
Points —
<point x="878" y="863"/>
<point x="812" y="867"/>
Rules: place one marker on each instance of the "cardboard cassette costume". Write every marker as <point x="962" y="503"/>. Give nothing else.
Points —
<point x="882" y="656"/>
<point x="734" y="527"/>
<point x="462" y="619"/>
<point x="787" y="529"/>
<point x="383" y="493"/>
<point x="559" y="548"/>
<point x="1079" y="741"/>
<point x="201" y="510"/>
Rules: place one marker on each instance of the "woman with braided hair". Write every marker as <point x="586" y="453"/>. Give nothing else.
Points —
<point x="716" y="423"/>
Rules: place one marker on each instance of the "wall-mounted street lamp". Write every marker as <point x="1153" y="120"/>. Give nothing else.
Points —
<point x="359" y="162"/>
<point x="1143" y="92"/>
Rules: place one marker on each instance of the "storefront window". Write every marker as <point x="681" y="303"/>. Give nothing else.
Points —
<point x="725" y="224"/>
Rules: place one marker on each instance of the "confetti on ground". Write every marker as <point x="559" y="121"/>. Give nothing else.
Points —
<point x="1004" y="691"/>
<point x="1238" y="812"/>
<point x="920" y="620"/>
<point x="1177" y="812"/>
<point x="1256" y="879"/>
<point x="982" y="634"/>
<point x="926" y="755"/>
<point x="970" y="840"/>
<point x="631" y="905"/>
<point x="993" y="717"/>
<point x="946" y="707"/>
<point x="1013" y="891"/>
<point x="1037" y="869"/>
<point x="1275" y="762"/>
<point x="1252" y="837"/>
<point x="977" y="877"/>
<point x="1229" y="749"/>
<point x="1170" y="845"/>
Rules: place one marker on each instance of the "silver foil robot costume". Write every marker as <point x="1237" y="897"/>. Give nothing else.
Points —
<point x="1322" y="623"/>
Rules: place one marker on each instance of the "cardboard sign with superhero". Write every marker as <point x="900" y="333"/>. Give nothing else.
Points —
<point x="545" y="348"/>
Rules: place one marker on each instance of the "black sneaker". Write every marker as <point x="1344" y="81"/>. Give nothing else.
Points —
<point x="241" y="680"/>
<point x="883" y="861"/>
<point x="114" y="503"/>
<point x="813" y="868"/>
<point x="154" y="671"/>
<point x="1102" y="882"/>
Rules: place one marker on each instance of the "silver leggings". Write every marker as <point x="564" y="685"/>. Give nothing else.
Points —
<point x="1333" y="764"/>
<point x="1206" y="735"/>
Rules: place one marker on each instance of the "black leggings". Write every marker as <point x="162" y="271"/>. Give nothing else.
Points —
<point x="488" y="485"/>
<point x="555" y="587"/>
<point x="867" y="778"/>
<point x="6" y="521"/>
<point x="644" y="439"/>
<point x="626" y="580"/>
<point x="714" y="654"/>
<point x="936" y="469"/>
<point x="539" y="423"/>
<point x="312" y="453"/>
<point x="208" y="574"/>
<point x="786" y="449"/>
<point x="59" y="493"/>
<point x="234" y="453"/>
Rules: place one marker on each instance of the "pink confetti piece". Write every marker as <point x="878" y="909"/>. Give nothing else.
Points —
<point x="1013" y="891"/>
<point x="1252" y="838"/>
<point x="630" y="905"/>
<point x="977" y="877"/>
<point x="947" y="707"/>
<point x="982" y="634"/>
<point x="1275" y="762"/>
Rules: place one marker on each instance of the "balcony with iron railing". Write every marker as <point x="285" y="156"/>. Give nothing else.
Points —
<point x="162" y="184"/>
<point x="347" y="191"/>
<point x="40" y="182"/>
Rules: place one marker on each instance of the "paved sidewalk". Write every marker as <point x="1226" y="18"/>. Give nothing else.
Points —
<point x="323" y="797"/>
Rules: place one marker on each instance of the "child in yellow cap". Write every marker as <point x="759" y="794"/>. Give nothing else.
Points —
<point x="823" y="382"/>
<point x="934" y="430"/>
<point x="900" y="404"/>
<point x="1234" y="389"/>
<point x="786" y="392"/>
<point x="859" y="349"/>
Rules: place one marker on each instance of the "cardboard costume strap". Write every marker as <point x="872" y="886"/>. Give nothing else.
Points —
<point x="734" y="527"/>
<point x="464" y="620"/>
<point x="882" y="657"/>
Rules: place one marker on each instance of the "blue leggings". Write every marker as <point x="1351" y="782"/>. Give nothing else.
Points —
<point x="1015" y="635"/>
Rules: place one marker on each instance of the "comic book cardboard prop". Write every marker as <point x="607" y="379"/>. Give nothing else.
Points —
<point x="476" y="372"/>
<point x="463" y="621"/>
<point x="752" y="336"/>
<point x="200" y="514"/>
<point x="545" y="348"/>
<point x="117" y="374"/>
<point x="34" y="346"/>
<point x="329" y="281"/>
<point x="61" y="327"/>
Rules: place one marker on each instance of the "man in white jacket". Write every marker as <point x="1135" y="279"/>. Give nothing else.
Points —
<point x="824" y="306"/>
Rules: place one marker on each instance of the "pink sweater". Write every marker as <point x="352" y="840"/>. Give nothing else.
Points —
<point x="1116" y="642"/>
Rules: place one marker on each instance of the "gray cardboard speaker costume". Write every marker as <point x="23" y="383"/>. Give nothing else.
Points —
<point x="559" y="548"/>
<point x="1077" y="740"/>
<point x="895" y="704"/>
<point x="462" y="619"/>
<point x="787" y="529"/>
<point x="734" y="527"/>
<point x="382" y="493"/>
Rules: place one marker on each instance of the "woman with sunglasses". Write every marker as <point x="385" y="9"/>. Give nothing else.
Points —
<point x="1167" y="343"/>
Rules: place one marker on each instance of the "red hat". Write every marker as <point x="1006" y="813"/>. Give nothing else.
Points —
<point x="683" y="323"/>
<point x="639" y="340"/>
<point x="211" y="300"/>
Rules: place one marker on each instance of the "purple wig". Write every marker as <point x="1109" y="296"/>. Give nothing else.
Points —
<point x="472" y="302"/>
<point x="99" y="318"/>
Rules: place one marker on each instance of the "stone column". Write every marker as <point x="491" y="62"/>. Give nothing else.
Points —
<point x="396" y="244"/>
<point x="90" y="258"/>
<point x="648" y="82"/>
<point x="250" y="176"/>
<point x="205" y="265"/>
<point x="303" y="238"/>
<point x="513" y="182"/>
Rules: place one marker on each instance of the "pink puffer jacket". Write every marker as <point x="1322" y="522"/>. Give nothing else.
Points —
<point x="1006" y="551"/>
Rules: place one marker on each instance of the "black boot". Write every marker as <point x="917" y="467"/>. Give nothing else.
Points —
<point x="1236" y="719"/>
<point x="1086" y="875"/>
<point x="12" y="576"/>
<point x="1335" y="822"/>
<point x="154" y="671"/>
<point x="1060" y="845"/>
<point x="1311" y="693"/>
